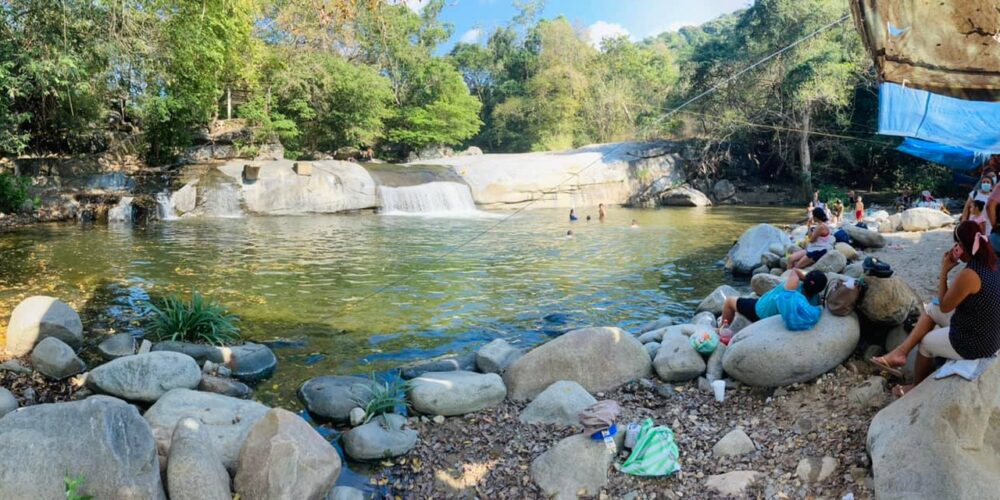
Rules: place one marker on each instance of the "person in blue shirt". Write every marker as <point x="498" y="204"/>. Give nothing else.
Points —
<point x="572" y="215"/>
<point x="796" y="300"/>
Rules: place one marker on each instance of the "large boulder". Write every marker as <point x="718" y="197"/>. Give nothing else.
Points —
<point x="767" y="354"/>
<point x="746" y="254"/>
<point x="56" y="360"/>
<point x="226" y="420"/>
<point x="384" y="436"/>
<point x="145" y="377"/>
<point x="889" y="301"/>
<point x="38" y="317"/>
<point x="496" y="356"/>
<point x="561" y="403"/>
<point x="576" y="466"/>
<point x="332" y="397"/>
<point x="864" y="238"/>
<point x="714" y="302"/>
<point x="194" y="468"/>
<point x="455" y="393"/>
<point x="763" y="283"/>
<point x="677" y="361"/>
<point x="284" y="457"/>
<point x="685" y="197"/>
<point x="922" y="219"/>
<point x="573" y="356"/>
<point x="723" y="190"/>
<point x="940" y="440"/>
<point x="847" y="250"/>
<point x="100" y="438"/>
<point x="832" y="262"/>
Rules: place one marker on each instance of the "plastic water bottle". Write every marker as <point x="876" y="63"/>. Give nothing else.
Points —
<point x="631" y="435"/>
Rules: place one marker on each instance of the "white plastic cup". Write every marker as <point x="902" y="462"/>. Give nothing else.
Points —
<point x="719" y="386"/>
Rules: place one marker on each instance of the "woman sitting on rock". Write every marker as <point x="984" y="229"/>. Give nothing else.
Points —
<point x="796" y="300"/>
<point x="820" y="241"/>
<point x="964" y="325"/>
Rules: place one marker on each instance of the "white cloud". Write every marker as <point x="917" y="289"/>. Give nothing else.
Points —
<point x="415" y="5"/>
<point x="601" y="30"/>
<point x="471" y="36"/>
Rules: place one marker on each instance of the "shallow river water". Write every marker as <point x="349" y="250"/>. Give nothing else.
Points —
<point x="365" y="292"/>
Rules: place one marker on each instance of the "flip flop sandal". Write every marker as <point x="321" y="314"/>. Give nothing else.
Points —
<point x="883" y="366"/>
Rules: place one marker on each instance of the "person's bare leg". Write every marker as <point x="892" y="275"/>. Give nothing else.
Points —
<point x="897" y="357"/>
<point x="728" y="310"/>
<point x="923" y="367"/>
<point x="795" y="257"/>
<point x="804" y="263"/>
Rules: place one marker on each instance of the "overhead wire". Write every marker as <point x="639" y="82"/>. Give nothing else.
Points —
<point x="355" y="303"/>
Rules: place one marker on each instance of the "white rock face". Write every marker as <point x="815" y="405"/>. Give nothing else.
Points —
<point x="922" y="219"/>
<point x="38" y="317"/>
<point x="608" y="173"/>
<point x="334" y="186"/>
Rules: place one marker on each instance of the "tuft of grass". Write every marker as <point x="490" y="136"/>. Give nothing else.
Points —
<point x="73" y="485"/>
<point x="198" y="320"/>
<point x="382" y="397"/>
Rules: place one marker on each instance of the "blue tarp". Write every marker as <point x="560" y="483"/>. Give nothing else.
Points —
<point x="909" y="112"/>
<point x="949" y="156"/>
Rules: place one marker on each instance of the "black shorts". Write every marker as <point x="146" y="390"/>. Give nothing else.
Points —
<point x="815" y="255"/>
<point x="748" y="308"/>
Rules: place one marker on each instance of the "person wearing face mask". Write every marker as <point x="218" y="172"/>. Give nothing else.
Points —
<point x="980" y="193"/>
<point x="963" y="322"/>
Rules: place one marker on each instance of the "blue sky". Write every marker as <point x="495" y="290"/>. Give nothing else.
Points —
<point x="475" y="19"/>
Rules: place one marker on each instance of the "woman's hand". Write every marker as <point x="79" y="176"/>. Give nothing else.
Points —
<point x="947" y="262"/>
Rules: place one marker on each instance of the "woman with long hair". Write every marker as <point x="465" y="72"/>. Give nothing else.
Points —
<point x="965" y="324"/>
<point x="819" y="242"/>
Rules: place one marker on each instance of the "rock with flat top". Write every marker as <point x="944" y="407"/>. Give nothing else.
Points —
<point x="455" y="393"/>
<point x="382" y="437"/>
<point x="145" y="377"/>
<point x="575" y="466"/>
<point x="561" y="403"/>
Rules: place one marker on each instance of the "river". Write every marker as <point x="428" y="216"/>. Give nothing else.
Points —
<point x="366" y="292"/>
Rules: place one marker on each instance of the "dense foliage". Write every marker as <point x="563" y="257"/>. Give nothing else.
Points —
<point x="198" y="320"/>
<point x="145" y="75"/>
<point x="13" y="193"/>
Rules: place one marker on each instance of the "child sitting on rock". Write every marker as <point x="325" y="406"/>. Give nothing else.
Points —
<point x="796" y="300"/>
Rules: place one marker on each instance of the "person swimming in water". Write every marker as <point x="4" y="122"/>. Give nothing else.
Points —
<point x="601" y="214"/>
<point x="569" y="234"/>
<point x="572" y="215"/>
<point x="588" y="218"/>
<point x="635" y="223"/>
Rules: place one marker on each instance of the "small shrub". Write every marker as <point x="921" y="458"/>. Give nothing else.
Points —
<point x="386" y="396"/>
<point x="13" y="192"/>
<point x="197" y="320"/>
<point x="73" y="485"/>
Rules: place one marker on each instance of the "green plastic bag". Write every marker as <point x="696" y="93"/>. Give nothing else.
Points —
<point x="654" y="454"/>
<point x="705" y="342"/>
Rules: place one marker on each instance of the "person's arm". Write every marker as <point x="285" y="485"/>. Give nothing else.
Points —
<point x="967" y="209"/>
<point x="966" y="283"/>
<point x="991" y="210"/>
<point x="792" y="283"/>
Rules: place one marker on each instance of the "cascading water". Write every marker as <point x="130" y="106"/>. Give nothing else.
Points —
<point x="221" y="199"/>
<point x="122" y="212"/>
<point x="165" y="206"/>
<point x="432" y="198"/>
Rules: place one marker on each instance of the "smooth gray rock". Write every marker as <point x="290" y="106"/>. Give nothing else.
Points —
<point x="573" y="356"/>
<point x="832" y="262"/>
<point x="772" y="259"/>
<point x="713" y="369"/>
<point x="767" y="354"/>
<point x="455" y="393"/>
<point x="871" y="393"/>
<point x="117" y="346"/>
<point x="746" y="254"/>
<point x="714" y="301"/>
<point x="496" y="356"/>
<point x="864" y="238"/>
<point x="226" y="420"/>
<point x="723" y="190"/>
<point x="56" y="360"/>
<point x="731" y="484"/>
<point x="382" y="437"/>
<point x="447" y="363"/>
<point x="846" y="250"/>
<point x="200" y="352"/>
<point x="100" y="438"/>
<point x="333" y="396"/>
<point x="677" y="361"/>
<point x="194" y="468"/>
<point x="284" y="457"/>
<point x="574" y="466"/>
<point x="145" y="377"/>
<point x="38" y="317"/>
<point x="922" y="219"/>
<point x="939" y="441"/>
<point x="704" y="318"/>
<point x="8" y="402"/>
<point x="763" y="283"/>
<point x="762" y="269"/>
<point x="685" y="196"/>
<point x="855" y="270"/>
<point x="889" y="300"/>
<point x="656" y="324"/>
<point x="224" y="386"/>
<point x="652" y="335"/>
<point x="740" y="322"/>
<point x="734" y="444"/>
<point x="561" y="403"/>
<point x="250" y="362"/>
<point x="816" y="469"/>
<point x="652" y="348"/>
<point x="15" y="366"/>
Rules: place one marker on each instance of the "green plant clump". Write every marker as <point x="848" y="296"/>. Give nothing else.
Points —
<point x="199" y="320"/>
<point x="382" y="397"/>
<point x="13" y="192"/>
<point x="73" y="485"/>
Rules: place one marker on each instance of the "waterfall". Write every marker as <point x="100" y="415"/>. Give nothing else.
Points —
<point x="165" y="206"/>
<point x="122" y="212"/>
<point x="221" y="199"/>
<point x="432" y="198"/>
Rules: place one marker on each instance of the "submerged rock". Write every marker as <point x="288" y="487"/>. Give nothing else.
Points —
<point x="145" y="377"/>
<point x="100" y="438"/>
<point x="56" y="360"/>
<point x="283" y="457"/>
<point x="746" y="254"/>
<point x="560" y="403"/>
<point x="194" y="468"/>
<point x="455" y="393"/>
<point x="767" y="354"/>
<point x="250" y="362"/>
<point x="38" y="317"/>
<point x="573" y="356"/>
